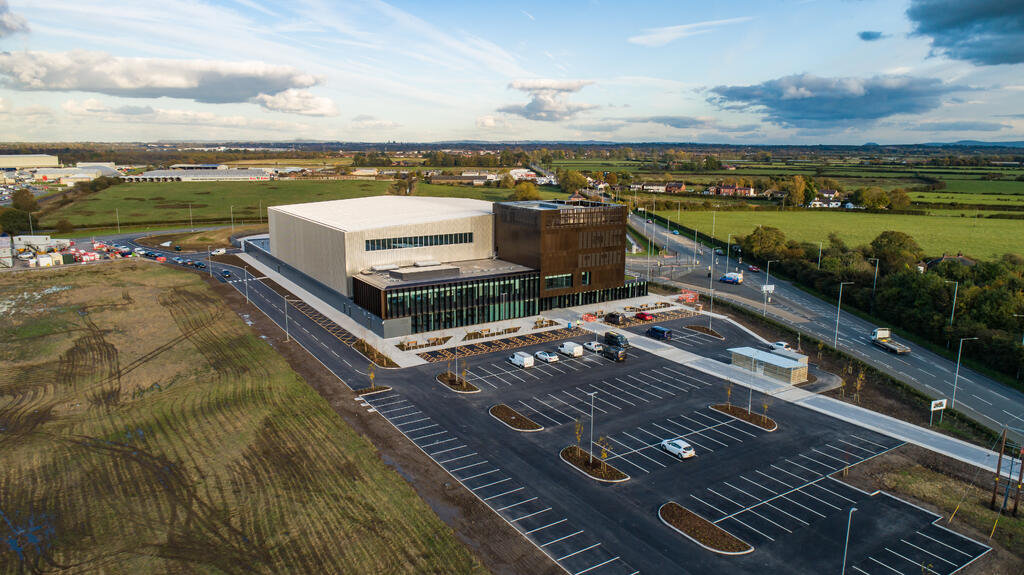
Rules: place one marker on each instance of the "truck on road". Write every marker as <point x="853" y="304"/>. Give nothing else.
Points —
<point x="732" y="278"/>
<point x="882" y="337"/>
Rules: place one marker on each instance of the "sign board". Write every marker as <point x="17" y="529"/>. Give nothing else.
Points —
<point x="770" y="288"/>
<point x="938" y="404"/>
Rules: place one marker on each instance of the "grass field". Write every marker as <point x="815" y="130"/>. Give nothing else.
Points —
<point x="144" y="428"/>
<point x="200" y="241"/>
<point x="161" y="202"/>
<point x="979" y="238"/>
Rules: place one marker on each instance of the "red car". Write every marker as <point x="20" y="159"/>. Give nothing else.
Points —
<point x="754" y="269"/>
<point x="644" y="316"/>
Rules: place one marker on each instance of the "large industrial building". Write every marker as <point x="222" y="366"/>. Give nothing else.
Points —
<point x="25" y="161"/>
<point x="421" y="264"/>
<point x="201" y="175"/>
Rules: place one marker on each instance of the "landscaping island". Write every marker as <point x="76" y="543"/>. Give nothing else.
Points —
<point x="595" y="467"/>
<point x="514" y="419"/>
<point x="702" y="531"/>
<point x="456" y="383"/>
<point x="763" y="421"/>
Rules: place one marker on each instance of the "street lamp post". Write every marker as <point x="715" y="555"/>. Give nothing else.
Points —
<point x="956" y="378"/>
<point x="819" y="255"/>
<point x="767" y="277"/>
<point x="287" y="336"/>
<point x="728" y="245"/>
<point x="956" y="287"/>
<point x="232" y="210"/>
<point x="873" y="284"/>
<point x="839" y="306"/>
<point x="592" y="394"/>
<point x="846" y="545"/>
<point x="694" y="246"/>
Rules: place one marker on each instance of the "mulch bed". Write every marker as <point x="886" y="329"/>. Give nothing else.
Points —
<point x="457" y="383"/>
<point x="514" y="419"/>
<point x="702" y="530"/>
<point x="705" y="330"/>
<point x="592" y="466"/>
<point x="762" y="421"/>
<point x="373" y="355"/>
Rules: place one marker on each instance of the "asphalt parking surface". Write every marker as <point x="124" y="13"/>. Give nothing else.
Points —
<point x="774" y="490"/>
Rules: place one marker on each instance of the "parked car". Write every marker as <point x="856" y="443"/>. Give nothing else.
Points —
<point x="779" y="345"/>
<point x="644" y="316"/>
<point x="614" y="353"/>
<point x="225" y="273"/>
<point x="593" y="346"/>
<point x="614" y="318"/>
<point x="753" y="268"/>
<point x="658" y="332"/>
<point x="139" y="250"/>
<point x="679" y="448"/>
<point x="546" y="356"/>
<point x="615" y="339"/>
<point x="521" y="359"/>
<point x="571" y="349"/>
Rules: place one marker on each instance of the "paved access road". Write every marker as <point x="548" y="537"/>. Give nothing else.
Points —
<point x="983" y="398"/>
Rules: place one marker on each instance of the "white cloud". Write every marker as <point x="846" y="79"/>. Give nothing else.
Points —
<point x="10" y="23"/>
<point x="666" y="34"/>
<point x="92" y="107"/>
<point x="491" y="123"/>
<point x="548" y="99"/>
<point x="527" y="14"/>
<point x="298" y="102"/>
<point x="4" y="106"/>
<point x="208" y="81"/>
<point x="366" y="122"/>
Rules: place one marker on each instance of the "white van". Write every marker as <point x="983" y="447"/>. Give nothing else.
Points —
<point x="218" y="252"/>
<point x="571" y="349"/>
<point x="521" y="359"/>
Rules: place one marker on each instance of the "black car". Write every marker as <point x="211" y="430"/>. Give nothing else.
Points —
<point x="658" y="332"/>
<point x="200" y="265"/>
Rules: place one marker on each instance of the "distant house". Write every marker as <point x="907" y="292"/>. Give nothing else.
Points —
<point x="675" y="187"/>
<point x="655" y="188"/>
<point x="835" y="204"/>
<point x="364" y="172"/>
<point x="815" y="204"/>
<point x="458" y="180"/>
<point x="959" y="258"/>
<point x="735" y="191"/>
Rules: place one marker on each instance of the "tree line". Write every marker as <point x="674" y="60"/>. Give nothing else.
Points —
<point x="988" y="293"/>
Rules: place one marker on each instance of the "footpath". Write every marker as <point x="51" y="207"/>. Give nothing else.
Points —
<point x="880" y="423"/>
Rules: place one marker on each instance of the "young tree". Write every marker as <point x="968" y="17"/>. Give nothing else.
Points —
<point x="796" y="191"/>
<point x="524" y="191"/>
<point x="24" y="200"/>
<point x="858" y="385"/>
<point x="572" y="181"/>
<point x="898" y="199"/>
<point x="508" y="182"/>
<point x="64" y="227"/>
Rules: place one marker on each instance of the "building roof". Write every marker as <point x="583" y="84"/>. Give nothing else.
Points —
<point x="199" y="173"/>
<point x="443" y="273"/>
<point x="557" y="204"/>
<point x="386" y="211"/>
<point x="767" y="357"/>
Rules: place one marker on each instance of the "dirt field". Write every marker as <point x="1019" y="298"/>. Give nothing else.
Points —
<point x="145" y="428"/>
<point x="939" y="484"/>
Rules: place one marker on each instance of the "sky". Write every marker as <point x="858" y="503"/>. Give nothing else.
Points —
<point x="764" y="72"/>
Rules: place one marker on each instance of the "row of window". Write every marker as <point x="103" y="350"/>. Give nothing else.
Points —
<point x="500" y="291"/>
<point x="419" y="241"/>
<point x="601" y="259"/>
<point x="559" y="281"/>
<point x="602" y="238"/>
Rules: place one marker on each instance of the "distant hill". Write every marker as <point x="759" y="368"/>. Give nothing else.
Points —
<point x="978" y="144"/>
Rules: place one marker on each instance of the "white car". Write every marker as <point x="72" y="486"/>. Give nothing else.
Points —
<point x="546" y="356"/>
<point x="679" y="448"/>
<point x="139" y="250"/>
<point x="218" y="252"/>
<point x="779" y="345"/>
<point x="593" y="346"/>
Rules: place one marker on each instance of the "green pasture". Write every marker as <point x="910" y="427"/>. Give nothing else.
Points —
<point x="161" y="203"/>
<point x="978" y="238"/>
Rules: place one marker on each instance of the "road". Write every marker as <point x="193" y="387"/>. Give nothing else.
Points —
<point x="984" y="399"/>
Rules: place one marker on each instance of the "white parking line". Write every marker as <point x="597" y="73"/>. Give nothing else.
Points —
<point x="552" y="420"/>
<point x="410" y="406"/>
<point x="495" y="470"/>
<point x="543" y="527"/>
<point x="943" y="559"/>
<point x="442" y="432"/>
<point x="601" y="564"/>
<point x="450" y="449"/>
<point x="648" y="383"/>
<point x="699" y="430"/>
<point x="517" y="504"/>
<point x="596" y="408"/>
<point x="454" y="458"/>
<point x="562" y="558"/>
<point x="493" y="483"/>
<point x="638" y="388"/>
<point x="545" y="510"/>
<point x="420" y="428"/>
<point x="413" y="421"/>
<point x="562" y="538"/>
<point x="708" y="504"/>
<point x="944" y="544"/>
<point x="437" y="443"/>
<point x="886" y="566"/>
<point x="597" y="397"/>
<point x="584" y="413"/>
<point x="413" y="414"/>
<point x="663" y="382"/>
<point x="467" y="467"/>
<point x="605" y="391"/>
<point x="570" y="418"/>
<point x="505" y="493"/>
<point x="626" y="392"/>
<point x="687" y="435"/>
<point x="751" y="528"/>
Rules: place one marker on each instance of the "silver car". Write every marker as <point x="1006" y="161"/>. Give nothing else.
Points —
<point x="678" y="448"/>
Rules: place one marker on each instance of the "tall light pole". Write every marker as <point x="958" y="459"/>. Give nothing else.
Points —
<point x="245" y="274"/>
<point x="819" y="255"/>
<point x="873" y="284"/>
<point x="592" y="394"/>
<point x="956" y="378"/>
<point x="694" y="246"/>
<point x="728" y="245"/>
<point x="287" y="336"/>
<point x="767" y="277"/>
<point x="190" y="224"/>
<point x="232" y="209"/>
<point x="839" y="306"/>
<point x="846" y="546"/>
<point x="116" y="216"/>
<point x="956" y="287"/>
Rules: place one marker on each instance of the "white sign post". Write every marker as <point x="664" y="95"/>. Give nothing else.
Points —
<point x="937" y="405"/>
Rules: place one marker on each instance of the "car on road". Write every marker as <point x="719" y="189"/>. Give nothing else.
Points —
<point x="719" y="252"/>
<point x="753" y="268"/>
<point x="779" y="345"/>
<point x="594" y="346"/>
<point x="546" y="356"/>
<point x="178" y="260"/>
<point x="675" y="232"/>
<point x="644" y="316"/>
<point x="225" y="273"/>
<point x="218" y="252"/>
<point x="200" y="265"/>
<point x="188" y="262"/>
<point x="650" y="221"/>
<point x="139" y="250"/>
<point x="678" y="448"/>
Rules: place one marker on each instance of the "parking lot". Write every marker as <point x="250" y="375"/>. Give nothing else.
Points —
<point x="777" y="490"/>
